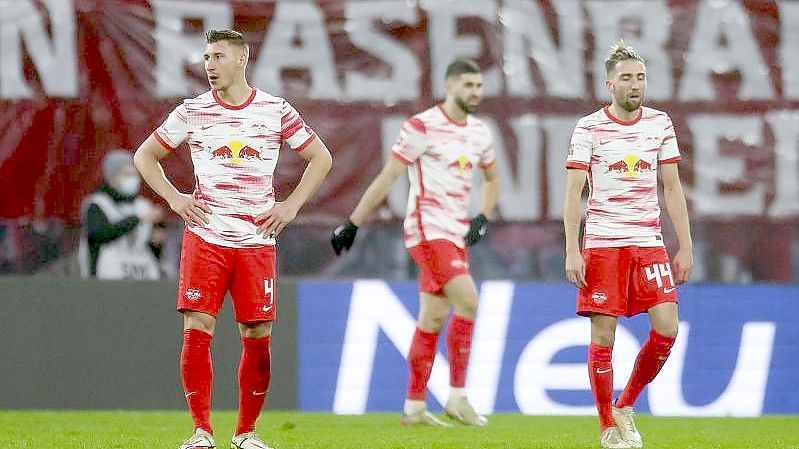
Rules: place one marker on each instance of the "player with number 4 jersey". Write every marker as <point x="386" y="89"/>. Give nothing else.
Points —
<point x="234" y="133"/>
<point x="623" y="268"/>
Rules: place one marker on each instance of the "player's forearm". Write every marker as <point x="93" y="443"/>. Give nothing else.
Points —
<point x="153" y="174"/>
<point x="489" y="195"/>
<point x="374" y="195"/>
<point x="315" y="172"/>
<point x="678" y="213"/>
<point x="572" y="210"/>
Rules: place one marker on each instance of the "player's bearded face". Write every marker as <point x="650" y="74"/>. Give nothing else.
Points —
<point x="629" y="85"/>
<point x="468" y="92"/>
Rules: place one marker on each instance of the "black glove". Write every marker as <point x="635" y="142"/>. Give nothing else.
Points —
<point x="477" y="229"/>
<point x="343" y="237"/>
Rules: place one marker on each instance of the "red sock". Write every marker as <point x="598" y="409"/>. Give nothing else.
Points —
<point x="459" y="343"/>
<point x="420" y="363"/>
<point x="650" y="359"/>
<point x="600" y="371"/>
<point x="198" y="376"/>
<point x="254" y="374"/>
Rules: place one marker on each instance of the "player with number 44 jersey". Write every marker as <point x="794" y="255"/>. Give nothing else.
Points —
<point x="623" y="268"/>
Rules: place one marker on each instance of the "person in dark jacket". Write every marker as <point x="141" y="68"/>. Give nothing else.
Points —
<point x="122" y="233"/>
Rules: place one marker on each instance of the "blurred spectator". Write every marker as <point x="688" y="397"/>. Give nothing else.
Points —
<point x="123" y="232"/>
<point x="7" y="253"/>
<point x="757" y="252"/>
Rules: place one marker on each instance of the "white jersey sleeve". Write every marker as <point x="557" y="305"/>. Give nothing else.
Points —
<point x="293" y="129"/>
<point x="412" y="142"/>
<point x="488" y="156"/>
<point x="669" y="152"/>
<point x="174" y="130"/>
<point x="580" y="148"/>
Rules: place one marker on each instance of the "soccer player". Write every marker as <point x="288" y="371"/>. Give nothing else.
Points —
<point x="234" y="133"/>
<point x="624" y="269"/>
<point x="439" y="148"/>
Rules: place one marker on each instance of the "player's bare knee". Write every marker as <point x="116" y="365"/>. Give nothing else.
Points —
<point x="255" y="330"/>
<point x="667" y="331"/>
<point x="431" y="323"/>
<point x="604" y="340"/>
<point x="199" y="321"/>
<point x="467" y="308"/>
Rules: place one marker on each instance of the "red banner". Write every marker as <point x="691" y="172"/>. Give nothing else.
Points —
<point x="81" y="77"/>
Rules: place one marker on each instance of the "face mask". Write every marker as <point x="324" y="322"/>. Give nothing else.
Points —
<point x="130" y="185"/>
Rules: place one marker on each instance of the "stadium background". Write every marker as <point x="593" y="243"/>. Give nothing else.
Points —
<point x="79" y="78"/>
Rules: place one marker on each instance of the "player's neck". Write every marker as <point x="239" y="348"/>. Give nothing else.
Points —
<point x="454" y="112"/>
<point x="622" y="114"/>
<point x="235" y="94"/>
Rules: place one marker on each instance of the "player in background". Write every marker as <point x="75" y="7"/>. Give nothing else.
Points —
<point x="624" y="269"/>
<point x="439" y="148"/>
<point x="234" y="133"/>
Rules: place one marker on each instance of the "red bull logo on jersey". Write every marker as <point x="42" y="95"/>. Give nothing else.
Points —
<point x="631" y="165"/>
<point x="236" y="152"/>
<point x="463" y="164"/>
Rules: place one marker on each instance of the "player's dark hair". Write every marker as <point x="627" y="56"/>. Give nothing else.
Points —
<point x="620" y="52"/>
<point x="232" y="36"/>
<point x="460" y="66"/>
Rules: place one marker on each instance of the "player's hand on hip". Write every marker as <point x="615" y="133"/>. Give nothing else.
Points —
<point x="343" y="237"/>
<point x="192" y="210"/>
<point x="683" y="266"/>
<point x="273" y="221"/>
<point x="575" y="269"/>
<point x="478" y="228"/>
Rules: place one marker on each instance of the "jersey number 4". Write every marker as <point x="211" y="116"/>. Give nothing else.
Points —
<point x="269" y="289"/>
<point x="657" y="271"/>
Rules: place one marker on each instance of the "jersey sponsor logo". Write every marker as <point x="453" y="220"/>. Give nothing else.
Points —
<point x="236" y="152"/>
<point x="463" y="164"/>
<point x="599" y="297"/>
<point x="630" y="165"/>
<point x="669" y="289"/>
<point x="193" y="294"/>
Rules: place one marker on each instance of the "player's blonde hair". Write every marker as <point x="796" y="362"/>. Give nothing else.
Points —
<point x="620" y="52"/>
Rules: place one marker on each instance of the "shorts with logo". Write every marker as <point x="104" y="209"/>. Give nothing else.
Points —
<point x="208" y="272"/>
<point x="439" y="261"/>
<point x="625" y="281"/>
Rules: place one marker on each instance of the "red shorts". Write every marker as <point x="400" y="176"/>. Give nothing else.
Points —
<point x="208" y="272"/>
<point x="439" y="261"/>
<point x="625" y="281"/>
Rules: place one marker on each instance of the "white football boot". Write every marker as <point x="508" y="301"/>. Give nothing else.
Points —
<point x="623" y="418"/>
<point x="200" y="440"/>
<point x="422" y="418"/>
<point x="460" y="409"/>
<point x="611" y="438"/>
<point x="248" y="440"/>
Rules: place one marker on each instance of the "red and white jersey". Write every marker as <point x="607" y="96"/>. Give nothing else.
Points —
<point x="441" y="155"/>
<point x="234" y="150"/>
<point x="622" y="160"/>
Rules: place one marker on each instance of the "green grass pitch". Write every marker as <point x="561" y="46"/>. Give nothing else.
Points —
<point x="134" y="430"/>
